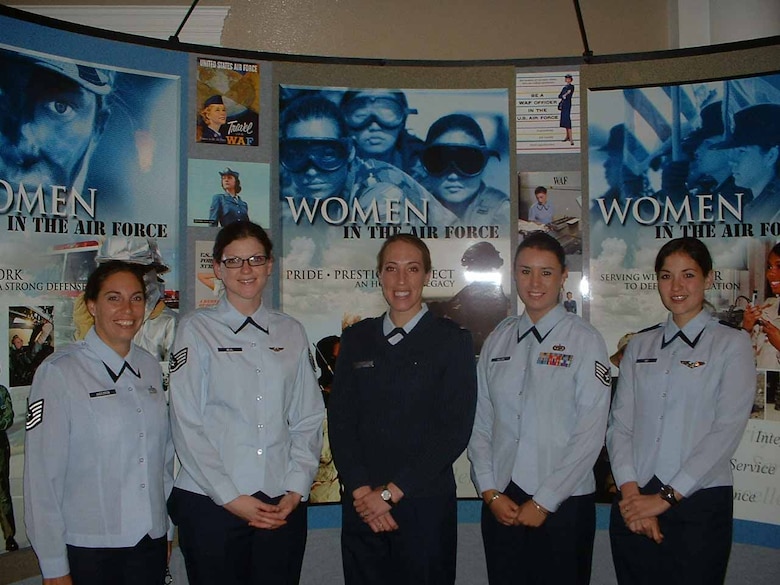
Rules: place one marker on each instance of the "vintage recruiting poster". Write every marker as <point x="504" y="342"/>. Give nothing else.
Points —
<point x="699" y="159"/>
<point x="89" y="172"/>
<point x="547" y="112"/>
<point x="359" y="165"/>
<point x="228" y="102"/>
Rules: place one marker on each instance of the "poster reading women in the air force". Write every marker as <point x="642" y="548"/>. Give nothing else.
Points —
<point x="357" y="166"/>
<point x="699" y="159"/>
<point x="88" y="173"/>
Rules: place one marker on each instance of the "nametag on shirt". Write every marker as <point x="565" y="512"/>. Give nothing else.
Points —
<point x="646" y="360"/>
<point x="102" y="393"/>
<point x="228" y="349"/>
<point x="692" y="365"/>
<point x="505" y="358"/>
<point x="366" y="364"/>
<point x="277" y="349"/>
<point x="554" y="359"/>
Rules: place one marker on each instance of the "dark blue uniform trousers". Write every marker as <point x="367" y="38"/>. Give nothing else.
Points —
<point x="696" y="545"/>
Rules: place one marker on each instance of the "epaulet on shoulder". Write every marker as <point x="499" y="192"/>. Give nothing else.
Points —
<point x="66" y="351"/>
<point x="656" y="326"/>
<point x="729" y="324"/>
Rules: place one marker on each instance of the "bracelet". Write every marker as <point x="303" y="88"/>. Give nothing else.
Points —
<point x="493" y="498"/>
<point x="541" y="510"/>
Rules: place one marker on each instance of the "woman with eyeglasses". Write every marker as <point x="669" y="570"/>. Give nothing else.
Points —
<point x="377" y="123"/>
<point x="247" y="416"/>
<point x="98" y="449"/>
<point x="454" y="158"/>
<point x="318" y="161"/>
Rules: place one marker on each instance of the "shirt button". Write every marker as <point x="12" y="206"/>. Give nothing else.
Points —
<point x="141" y="460"/>
<point x="254" y="344"/>
<point x="257" y="370"/>
<point x="129" y="388"/>
<point x="259" y="451"/>
<point x="259" y="398"/>
<point x="666" y="371"/>
<point x="140" y="435"/>
<point x="663" y="395"/>
<point x="661" y="417"/>
<point x="517" y="440"/>
<point x="259" y="426"/>
<point x="138" y="410"/>
<point x="143" y="486"/>
<point x="658" y="439"/>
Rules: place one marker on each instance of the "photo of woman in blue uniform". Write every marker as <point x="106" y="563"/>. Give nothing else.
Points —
<point x="683" y="398"/>
<point x="227" y="207"/>
<point x="98" y="448"/>
<point x="246" y="414"/>
<point x="544" y="389"/>
<point x="399" y="415"/>
<point x="564" y="106"/>
<point x="454" y="158"/>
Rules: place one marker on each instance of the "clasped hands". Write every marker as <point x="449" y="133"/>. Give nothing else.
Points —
<point x="258" y="514"/>
<point x="510" y="513"/>
<point x="373" y="510"/>
<point x="640" y="512"/>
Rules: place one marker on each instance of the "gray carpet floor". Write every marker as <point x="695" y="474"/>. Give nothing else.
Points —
<point x="749" y="565"/>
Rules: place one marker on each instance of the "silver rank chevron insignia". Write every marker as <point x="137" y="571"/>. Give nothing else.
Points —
<point x="177" y="360"/>
<point x="34" y="415"/>
<point x="603" y="374"/>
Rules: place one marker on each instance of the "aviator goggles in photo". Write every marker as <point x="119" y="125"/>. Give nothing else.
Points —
<point x="389" y="113"/>
<point x="325" y="154"/>
<point x="467" y="161"/>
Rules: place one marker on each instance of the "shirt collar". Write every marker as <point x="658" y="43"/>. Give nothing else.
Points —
<point x="690" y="333"/>
<point x="544" y="325"/>
<point x="108" y="356"/>
<point x="388" y="325"/>
<point x="234" y="319"/>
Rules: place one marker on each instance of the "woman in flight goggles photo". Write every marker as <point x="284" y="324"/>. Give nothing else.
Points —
<point x="377" y="123"/>
<point x="314" y="149"/>
<point x="454" y="158"/>
<point x="318" y="162"/>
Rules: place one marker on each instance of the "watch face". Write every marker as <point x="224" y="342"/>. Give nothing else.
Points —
<point x="386" y="495"/>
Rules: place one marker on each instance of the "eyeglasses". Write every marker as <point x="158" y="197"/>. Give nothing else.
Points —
<point x="467" y="161"/>
<point x="326" y="154"/>
<point x="361" y="112"/>
<point x="236" y="262"/>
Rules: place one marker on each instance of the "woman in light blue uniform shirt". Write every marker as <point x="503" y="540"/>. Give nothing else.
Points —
<point x="98" y="449"/>
<point x="247" y="417"/>
<point x="684" y="395"/>
<point x="544" y="387"/>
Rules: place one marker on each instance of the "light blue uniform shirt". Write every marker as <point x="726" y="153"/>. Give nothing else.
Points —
<point x="542" y="407"/>
<point x="246" y="410"/>
<point x="681" y="406"/>
<point x="541" y="213"/>
<point x="98" y="463"/>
